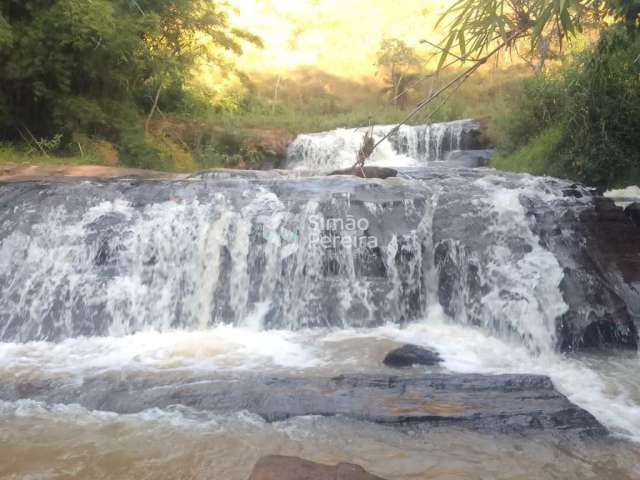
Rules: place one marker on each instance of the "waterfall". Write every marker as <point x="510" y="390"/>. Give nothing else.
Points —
<point x="288" y="252"/>
<point x="150" y="297"/>
<point x="203" y="253"/>
<point x="409" y="146"/>
<point x="294" y="250"/>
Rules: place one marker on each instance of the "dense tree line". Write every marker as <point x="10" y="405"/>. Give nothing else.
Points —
<point x="99" y="67"/>
<point x="581" y="121"/>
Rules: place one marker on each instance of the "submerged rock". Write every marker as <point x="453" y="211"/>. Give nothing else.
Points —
<point x="491" y="403"/>
<point x="277" y="467"/>
<point x="632" y="212"/>
<point x="469" y="158"/>
<point x="409" y="355"/>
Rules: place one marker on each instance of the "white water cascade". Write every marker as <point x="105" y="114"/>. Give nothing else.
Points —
<point x="170" y="284"/>
<point x="410" y="146"/>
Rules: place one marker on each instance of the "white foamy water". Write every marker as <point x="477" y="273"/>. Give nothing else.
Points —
<point x="606" y="386"/>
<point x="624" y="196"/>
<point x="410" y="146"/>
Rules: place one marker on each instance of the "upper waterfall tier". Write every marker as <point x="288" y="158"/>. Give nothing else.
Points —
<point x="410" y="146"/>
<point x="514" y="254"/>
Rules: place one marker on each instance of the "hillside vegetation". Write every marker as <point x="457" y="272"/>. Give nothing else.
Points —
<point x="115" y="82"/>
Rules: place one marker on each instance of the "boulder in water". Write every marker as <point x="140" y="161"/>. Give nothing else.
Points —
<point x="277" y="467"/>
<point x="409" y="355"/>
<point x="368" y="172"/>
<point x="632" y="212"/>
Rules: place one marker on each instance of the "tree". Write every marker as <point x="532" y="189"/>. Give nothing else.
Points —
<point x="580" y="122"/>
<point x="475" y="27"/>
<point x="75" y="66"/>
<point x="399" y="64"/>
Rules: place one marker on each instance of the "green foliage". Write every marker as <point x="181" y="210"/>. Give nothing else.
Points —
<point x="399" y="66"/>
<point x="11" y="155"/>
<point x="73" y="66"/>
<point x="594" y="102"/>
<point x="626" y="12"/>
<point x="581" y="122"/>
<point x="538" y="156"/>
<point x="6" y="35"/>
<point x="474" y="27"/>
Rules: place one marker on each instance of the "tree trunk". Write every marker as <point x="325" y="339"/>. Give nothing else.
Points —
<point x="153" y="109"/>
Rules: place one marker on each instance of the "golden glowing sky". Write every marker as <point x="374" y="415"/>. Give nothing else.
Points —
<point x="338" y="36"/>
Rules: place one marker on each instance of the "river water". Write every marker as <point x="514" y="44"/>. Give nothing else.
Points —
<point x="129" y="281"/>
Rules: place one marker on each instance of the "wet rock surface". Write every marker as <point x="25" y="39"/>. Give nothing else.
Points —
<point x="277" y="467"/>
<point x="410" y="355"/>
<point x="468" y="158"/>
<point x="593" y="243"/>
<point x="489" y="403"/>
<point x="610" y="255"/>
<point x="632" y="212"/>
<point x="488" y="245"/>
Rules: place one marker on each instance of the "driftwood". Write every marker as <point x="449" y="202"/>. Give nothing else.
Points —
<point x="367" y="172"/>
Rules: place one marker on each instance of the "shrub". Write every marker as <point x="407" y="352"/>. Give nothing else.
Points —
<point x="585" y="117"/>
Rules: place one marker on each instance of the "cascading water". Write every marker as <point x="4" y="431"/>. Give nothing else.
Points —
<point x="203" y="252"/>
<point x="409" y="146"/>
<point x="199" y="253"/>
<point x="169" y="284"/>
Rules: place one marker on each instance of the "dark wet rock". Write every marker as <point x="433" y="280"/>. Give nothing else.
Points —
<point x="604" y="271"/>
<point x="632" y="212"/>
<point x="491" y="403"/>
<point x="573" y="191"/>
<point x="469" y="158"/>
<point x="277" y="467"/>
<point x="409" y="355"/>
<point x="367" y="172"/>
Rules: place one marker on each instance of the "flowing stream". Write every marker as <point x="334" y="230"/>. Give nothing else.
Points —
<point x="297" y="274"/>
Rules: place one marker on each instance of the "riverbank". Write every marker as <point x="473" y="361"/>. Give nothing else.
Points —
<point x="22" y="173"/>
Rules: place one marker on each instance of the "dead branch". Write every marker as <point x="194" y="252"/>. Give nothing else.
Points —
<point x="153" y="108"/>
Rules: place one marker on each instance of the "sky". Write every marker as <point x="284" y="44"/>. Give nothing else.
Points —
<point x="338" y="36"/>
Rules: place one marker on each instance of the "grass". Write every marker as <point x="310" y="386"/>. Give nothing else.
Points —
<point x="255" y="131"/>
<point x="538" y="157"/>
<point x="11" y="155"/>
<point x="484" y="95"/>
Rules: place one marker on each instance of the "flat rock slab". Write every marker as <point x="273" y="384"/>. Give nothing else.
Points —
<point x="495" y="403"/>
<point x="276" y="467"/>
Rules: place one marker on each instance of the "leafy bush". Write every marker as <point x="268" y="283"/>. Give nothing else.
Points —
<point x="540" y="156"/>
<point x="584" y="119"/>
<point x="72" y="66"/>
